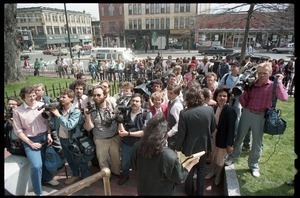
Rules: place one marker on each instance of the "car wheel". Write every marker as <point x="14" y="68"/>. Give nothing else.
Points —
<point x="275" y="51"/>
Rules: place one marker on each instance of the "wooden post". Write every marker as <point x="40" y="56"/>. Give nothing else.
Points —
<point x="69" y="190"/>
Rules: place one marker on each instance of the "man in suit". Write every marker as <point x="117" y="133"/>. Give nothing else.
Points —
<point x="190" y="139"/>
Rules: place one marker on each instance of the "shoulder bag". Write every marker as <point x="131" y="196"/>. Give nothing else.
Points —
<point x="274" y="124"/>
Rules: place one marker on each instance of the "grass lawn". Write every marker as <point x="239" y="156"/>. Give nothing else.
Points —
<point x="277" y="161"/>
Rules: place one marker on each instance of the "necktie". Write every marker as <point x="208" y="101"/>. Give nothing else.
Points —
<point x="79" y="103"/>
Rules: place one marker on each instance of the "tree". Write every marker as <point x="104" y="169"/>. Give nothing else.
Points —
<point x="12" y="47"/>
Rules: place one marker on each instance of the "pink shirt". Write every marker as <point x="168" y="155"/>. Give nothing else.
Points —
<point x="259" y="98"/>
<point x="29" y="120"/>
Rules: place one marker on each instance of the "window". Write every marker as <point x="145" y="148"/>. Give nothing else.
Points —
<point x="162" y="23"/>
<point x="78" y="30"/>
<point x="129" y="9"/>
<point x="37" y="17"/>
<point x="167" y="23"/>
<point x="187" y="23"/>
<point x="53" y="18"/>
<point x="84" y="30"/>
<point x="162" y="9"/>
<point x="135" y="12"/>
<point x="112" y="27"/>
<point x="102" y="11"/>
<point x="120" y="10"/>
<point x="156" y="23"/>
<point x="74" y="30"/>
<point x="56" y="30"/>
<point x="135" y="24"/>
<point x="152" y="8"/>
<point x="62" y="30"/>
<point x="188" y="7"/>
<point x="77" y="19"/>
<point x="175" y="23"/>
<point x="147" y="24"/>
<point x="182" y="7"/>
<point x="140" y="9"/>
<point x="40" y="30"/>
<point x="49" y="30"/>
<point x="168" y="8"/>
<point x="29" y="18"/>
<point x="88" y="30"/>
<point x="140" y="24"/>
<point x="176" y="7"/>
<point x="157" y="8"/>
<point x="130" y="24"/>
<point x="111" y="10"/>
<point x="147" y="8"/>
<point x="152" y="24"/>
<point x="181" y="23"/>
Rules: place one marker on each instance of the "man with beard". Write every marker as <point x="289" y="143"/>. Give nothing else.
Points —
<point x="80" y="100"/>
<point x="131" y="129"/>
<point x="104" y="126"/>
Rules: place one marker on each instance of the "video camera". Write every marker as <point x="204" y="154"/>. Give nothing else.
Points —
<point x="49" y="106"/>
<point x="8" y="113"/>
<point x="247" y="80"/>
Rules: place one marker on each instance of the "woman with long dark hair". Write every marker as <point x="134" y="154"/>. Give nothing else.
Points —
<point x="159" y="169"/>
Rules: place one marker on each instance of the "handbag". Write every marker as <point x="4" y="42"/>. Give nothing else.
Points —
<point x="53" y="161"/>
<point x="274" y="124"/>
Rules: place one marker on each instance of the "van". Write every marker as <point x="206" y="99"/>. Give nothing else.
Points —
<point x="106" y="53"/>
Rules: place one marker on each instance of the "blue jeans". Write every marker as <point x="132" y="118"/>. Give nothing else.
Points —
<point x="78" y="165"/>
<point x="38" y="172"/>
<point x="125" y="159"/>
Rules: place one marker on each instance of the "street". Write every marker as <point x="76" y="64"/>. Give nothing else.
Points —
<point x="50" y="59"/>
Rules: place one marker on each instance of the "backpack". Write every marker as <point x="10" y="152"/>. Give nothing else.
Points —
<point x="226" y="76"/>
<point x="56" y="61"/>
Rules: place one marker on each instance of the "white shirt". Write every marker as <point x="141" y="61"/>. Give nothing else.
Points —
<point x="84" y="100"/>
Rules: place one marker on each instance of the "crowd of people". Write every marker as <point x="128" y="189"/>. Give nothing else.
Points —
<point x="191" y="106"/>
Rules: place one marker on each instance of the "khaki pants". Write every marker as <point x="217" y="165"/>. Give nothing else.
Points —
<point x="109" y="150"/>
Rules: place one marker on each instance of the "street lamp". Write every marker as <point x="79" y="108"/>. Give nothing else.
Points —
<point x="68" y="31"/>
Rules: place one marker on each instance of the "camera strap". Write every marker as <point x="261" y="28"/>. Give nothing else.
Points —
<point x="274" y="98"/>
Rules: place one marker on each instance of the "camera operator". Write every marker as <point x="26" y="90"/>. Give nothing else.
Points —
<point x="131" y="129"/>
<point x="255" y="101"/>
<point x="32" y="129"/>
<point x="105" y="130"/>
<point x="67" y="121"/>
<point x="106" y="85"/>
<point x="13" y="143"/>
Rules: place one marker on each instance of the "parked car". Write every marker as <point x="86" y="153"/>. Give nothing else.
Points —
<point x="254" y="57"/>
<point x="48" y="52"/>
<point x="217" y="50"/>
<point x="178" y="45"/>
<point x="288" y="49"/>
<point x="24" y="56"/>
<point x="87" y="53"/>
<point x="62" y="52"/>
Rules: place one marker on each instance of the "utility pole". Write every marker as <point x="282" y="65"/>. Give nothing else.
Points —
<point x="68" y="31"/>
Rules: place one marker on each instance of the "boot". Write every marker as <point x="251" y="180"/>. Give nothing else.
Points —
<point x="218" y="175"/>
<point x="212" y="173"/>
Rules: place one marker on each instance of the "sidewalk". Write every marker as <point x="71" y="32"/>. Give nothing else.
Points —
<point x="128" y="189"/>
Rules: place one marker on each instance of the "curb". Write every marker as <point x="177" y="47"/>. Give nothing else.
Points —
<point x="231" y="183"/>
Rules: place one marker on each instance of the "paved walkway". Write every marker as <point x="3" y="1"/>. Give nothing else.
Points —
<point x="128" y="189"/>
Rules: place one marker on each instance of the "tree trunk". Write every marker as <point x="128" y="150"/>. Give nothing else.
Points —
<point x="12" y="61"/>
<point x="246" y="34"/>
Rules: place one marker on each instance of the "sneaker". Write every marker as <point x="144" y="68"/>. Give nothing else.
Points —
<point x="72" y="180"/>
<point x="255" y="173"/>
<point x="53" y="182"/>
<point x="123" y="180"/>
<point x="246" y="148"/>
<point x="228" y="162"/>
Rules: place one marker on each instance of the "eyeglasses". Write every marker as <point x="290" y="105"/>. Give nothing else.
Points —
<point x="97" y="95"/>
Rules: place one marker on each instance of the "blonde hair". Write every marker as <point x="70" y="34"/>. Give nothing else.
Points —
<point x="177" y="69"/>
<point x="157" y="94"/>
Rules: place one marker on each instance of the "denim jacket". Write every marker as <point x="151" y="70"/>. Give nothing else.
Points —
<point x="73" y="123"/>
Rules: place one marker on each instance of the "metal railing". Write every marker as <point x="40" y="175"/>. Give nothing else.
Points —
<point x="69" y="190"/>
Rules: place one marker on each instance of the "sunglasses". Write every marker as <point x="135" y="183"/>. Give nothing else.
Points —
<point x="97" y="95"/>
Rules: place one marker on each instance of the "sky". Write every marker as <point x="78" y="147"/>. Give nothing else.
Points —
<point x="91" y="8"/>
